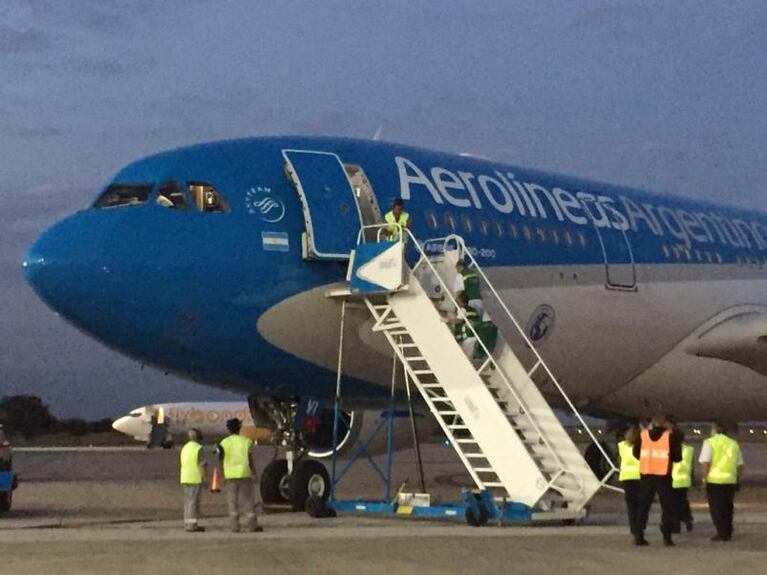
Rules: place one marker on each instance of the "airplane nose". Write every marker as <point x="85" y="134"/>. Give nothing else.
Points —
<point x="122" y="425"/>
<point x="37" y="262"/>
<point x="53" y="264"/>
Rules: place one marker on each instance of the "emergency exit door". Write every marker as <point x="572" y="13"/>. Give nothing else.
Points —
<point x="331" y="214"/>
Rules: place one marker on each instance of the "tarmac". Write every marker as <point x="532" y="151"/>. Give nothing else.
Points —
<point x="109" y="511"/>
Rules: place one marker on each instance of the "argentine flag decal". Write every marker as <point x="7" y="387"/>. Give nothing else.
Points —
<point x="275" y="241"/>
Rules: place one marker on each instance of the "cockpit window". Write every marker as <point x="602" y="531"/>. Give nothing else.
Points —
<point x="124" y="195"/>
<point x="171" y="195"/>
<point x="207" y="198"/>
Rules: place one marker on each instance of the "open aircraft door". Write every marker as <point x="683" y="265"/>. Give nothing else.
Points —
<point x="331" y="214"/>
<point x="609" y="224"/>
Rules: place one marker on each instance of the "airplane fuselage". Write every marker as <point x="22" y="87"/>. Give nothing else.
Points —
<point x="615" y="286"/>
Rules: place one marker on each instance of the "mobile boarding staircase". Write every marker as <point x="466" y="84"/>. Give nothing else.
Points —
<point x="491" y="409"/>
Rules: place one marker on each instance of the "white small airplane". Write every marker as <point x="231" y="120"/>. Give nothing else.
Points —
<point x="209" y="417"/>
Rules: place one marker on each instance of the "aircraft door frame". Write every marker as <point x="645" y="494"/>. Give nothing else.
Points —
<point x="614" y="243"/>
<point x="327" y="230"/>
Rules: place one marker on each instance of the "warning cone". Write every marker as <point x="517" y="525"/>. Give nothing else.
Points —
<point x="215" y="483"/>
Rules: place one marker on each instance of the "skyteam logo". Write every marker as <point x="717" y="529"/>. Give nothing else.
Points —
<point x="260" y="201"/>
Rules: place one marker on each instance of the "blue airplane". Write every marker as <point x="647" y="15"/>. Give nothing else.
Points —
<point x="213" y="262"/>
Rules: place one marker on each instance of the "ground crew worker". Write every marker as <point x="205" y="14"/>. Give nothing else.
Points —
<point x="722" y="461"/>
<point x="398" y="220"/>
<point x="467" y="281"/>
<point x="657" y="449"/>
<point x="236" y="454"/>
<point x="193" y="470"/>
<point x="488" y="335"/>
<point x="465" y="314"/>
<point x="681" y="481"/>
<point x="629" y="473"/>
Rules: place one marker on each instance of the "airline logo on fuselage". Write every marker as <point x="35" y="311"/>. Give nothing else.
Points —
<point x="260" y="201"/>
<point x="507" y="194"/>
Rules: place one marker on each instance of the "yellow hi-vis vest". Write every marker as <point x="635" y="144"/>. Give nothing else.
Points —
<point x="681" y="471"/>
<point x="629" y="463"/>
<point x="724" y="460"/>
<point x="191" y="473"/>
<point x="394" y="226"/>
<point x="236" y="457"/>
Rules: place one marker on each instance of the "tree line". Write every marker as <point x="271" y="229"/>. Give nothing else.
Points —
<point x="29" y="416"/>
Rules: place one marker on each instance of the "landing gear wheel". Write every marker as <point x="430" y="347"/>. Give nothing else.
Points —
<point x="275" y="482"/>
<point x="317" y="507"/>
<point x="6" y="499"/>
<point x="477" y="520"/>
<point x="309" y="478"/>
<point x="596" y="461"/>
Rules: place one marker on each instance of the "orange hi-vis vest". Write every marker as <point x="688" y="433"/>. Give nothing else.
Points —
<point x="655" y="455"/>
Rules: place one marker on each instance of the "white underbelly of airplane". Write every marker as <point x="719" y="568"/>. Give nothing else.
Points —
<point x="612" y="350"/>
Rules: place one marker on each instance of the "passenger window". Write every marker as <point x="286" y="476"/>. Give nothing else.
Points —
<point x="450" y="221"/>
<point x="207" y="198"/>
<point x="498" y="229"/>
<point x="513" y="231"/>
<point x="527" y="232"/>
<point x="467" y="225"/>
<point x="582" y="239"/>
<point x="555" y="237"/>
<point x="541" y="233"/>
<point x="431" y="220"/>
<point x="124" y="195"/>
<point x="567" y="237"/>
<point x="484" y="226"/>
<point x="171" y="195"/>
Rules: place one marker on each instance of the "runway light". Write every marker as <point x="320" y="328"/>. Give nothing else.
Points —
<point x="751" y="431"/>
<point x="580" y="431"/>
<point x="599" y="431"/>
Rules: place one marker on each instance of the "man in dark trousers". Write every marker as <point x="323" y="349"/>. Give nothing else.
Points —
<point x="681" y="481"/>
<point x="657" y="450"/>
<point x="629" y="473"/>
<point x="722" y="462"/>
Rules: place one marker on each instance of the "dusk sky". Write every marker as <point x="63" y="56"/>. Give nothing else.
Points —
<point x="663" y="95"/>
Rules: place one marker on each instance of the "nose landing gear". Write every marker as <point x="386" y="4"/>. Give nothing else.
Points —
<point x="294" y="478"/>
